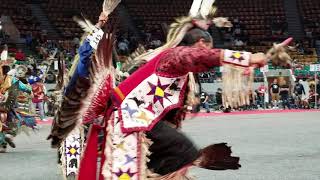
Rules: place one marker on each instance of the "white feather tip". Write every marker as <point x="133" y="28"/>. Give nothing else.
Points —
<point x="85" y="24"/>
<point x="206" y="6"/>
<point x="222" y="22"/>
<point x="108" y="6"/>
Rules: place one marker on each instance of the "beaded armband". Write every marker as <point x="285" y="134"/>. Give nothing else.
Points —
<point x="95" y="37"/>
<point x="238" y="58"/>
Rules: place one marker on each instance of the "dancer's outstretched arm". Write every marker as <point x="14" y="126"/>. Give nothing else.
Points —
<point x="193" y="59"/>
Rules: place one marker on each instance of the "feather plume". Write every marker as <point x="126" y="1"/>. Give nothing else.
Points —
<point x="132" y="63"/>
<point x="85" y="24"/>
<point x="109" y="6"/>
<point x="278" y="55"/>
<point x="212" y="12"/>
<point x="195" y="8"/>
<point x="201" y="8"/>
<point x="89" y="23"/>
<point x="222" y="22"/>
<point x="206" y="7"/>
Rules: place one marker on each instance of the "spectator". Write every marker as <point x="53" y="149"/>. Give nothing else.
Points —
<point x="204" y="98"/>
<point x="318" y="90"/>
<point x="155" y="44"/>
<point x="274" y="91"/>
<point x="252" y="98"/>
<point x="300" y="47"/>
<point x="20" y="57"/>
<point x="123" y="44"/>
<point x="76" y="41"/>
<point x="38" y="91"/>
<point x="308" y="33"/>
<point x="284" y="94"/>
<point x="219" y="98"/>
<point x="261" y="94"/>
<point x="299" y="91"/>
<point x="237" y="32"/>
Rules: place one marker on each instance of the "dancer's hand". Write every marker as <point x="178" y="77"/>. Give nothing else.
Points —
<point x="258" y="60"/>
<point x="103" y="18"/>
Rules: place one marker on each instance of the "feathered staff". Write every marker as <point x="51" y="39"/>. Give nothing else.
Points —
<point x="82" y="98"/>
<point x="109" y="6"/>
<point x="204" y="9"/>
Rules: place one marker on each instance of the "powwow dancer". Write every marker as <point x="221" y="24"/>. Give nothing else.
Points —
<point x="14" y="116"/>
<point x="141" y="115"/>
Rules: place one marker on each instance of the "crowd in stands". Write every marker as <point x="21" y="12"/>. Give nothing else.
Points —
<point x="60" y="13"/>
<point x="255" y="19"/>
<point x="310" y="12"/>
<point x="21" y="16"/>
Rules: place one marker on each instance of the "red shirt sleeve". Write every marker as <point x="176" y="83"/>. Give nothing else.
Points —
<point x="181" y="60"/>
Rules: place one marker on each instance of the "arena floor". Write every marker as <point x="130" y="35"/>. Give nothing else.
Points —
<point x="272" y="146"/>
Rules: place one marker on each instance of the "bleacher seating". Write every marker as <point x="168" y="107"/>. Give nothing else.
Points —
<point x="21" y="16"/>
<point x="310" y="12"/>
<point x="148" y="15"/>
<point x="60" y="13"/>
<point x="255" y="16"/>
